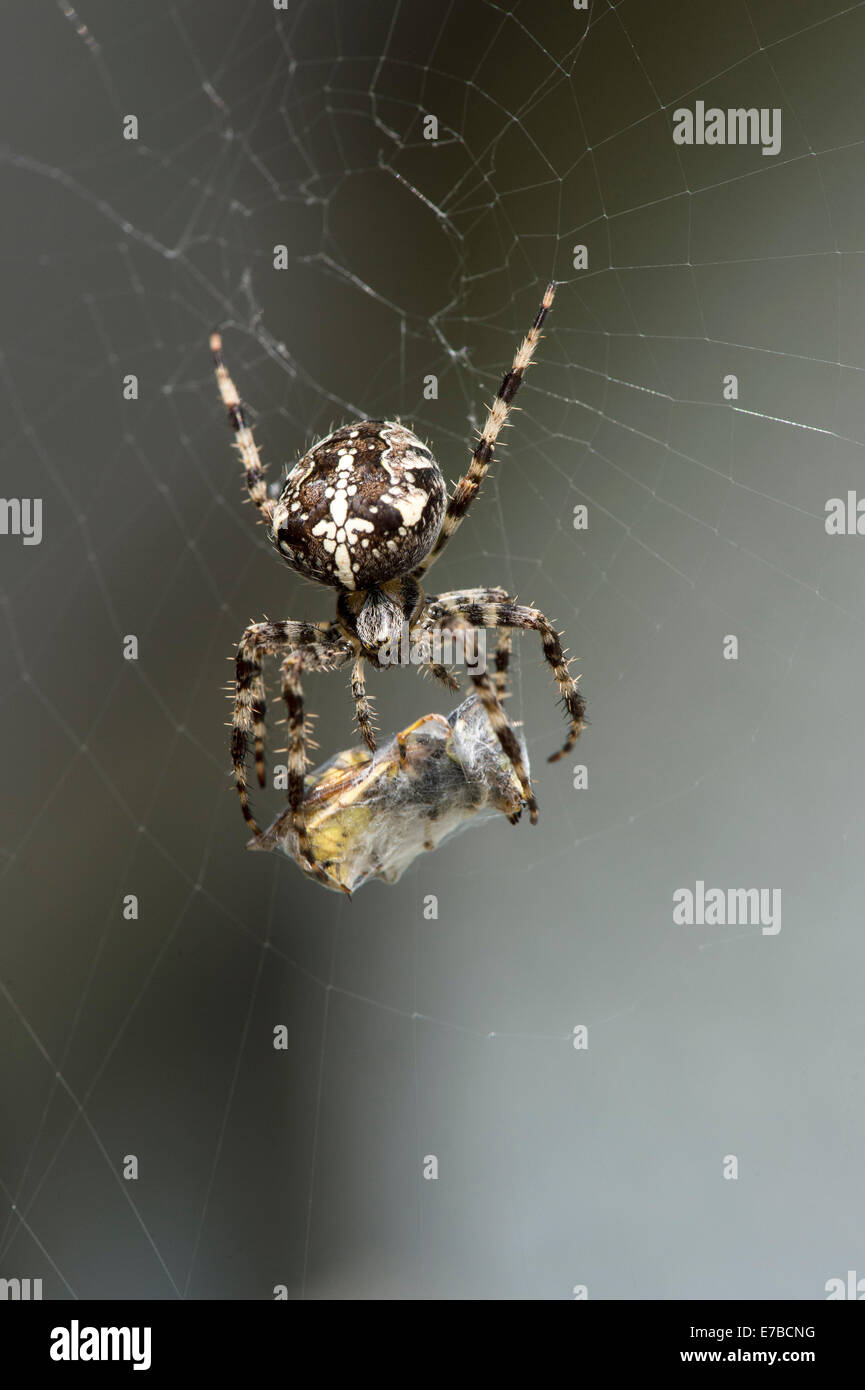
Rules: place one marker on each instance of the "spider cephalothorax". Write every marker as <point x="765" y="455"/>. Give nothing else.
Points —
<point x="365" y="511"/>
<point x="363" y="506"/>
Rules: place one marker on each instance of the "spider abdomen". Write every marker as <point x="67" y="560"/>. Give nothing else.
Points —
<point x="362" y="506"/>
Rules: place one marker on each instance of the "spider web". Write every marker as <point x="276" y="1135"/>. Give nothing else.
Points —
<point x="406" y="1035"/>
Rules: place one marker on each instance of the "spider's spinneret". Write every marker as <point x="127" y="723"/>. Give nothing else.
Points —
<point x="365" y="505"/>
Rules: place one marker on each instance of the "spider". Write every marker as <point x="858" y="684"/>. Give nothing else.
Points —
<point x="365" y="512"/>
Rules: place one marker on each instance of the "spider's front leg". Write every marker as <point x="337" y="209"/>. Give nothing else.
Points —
<point x="503" y="661"/>
<point x="250" y="704"/>
<point x="320" y="657"/>
<point x="501" y="726"/>
<point x="492" y="608"/>
<point x="491" y="690"/>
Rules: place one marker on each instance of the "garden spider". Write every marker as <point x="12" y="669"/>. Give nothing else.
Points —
<point x="365" y="512"/>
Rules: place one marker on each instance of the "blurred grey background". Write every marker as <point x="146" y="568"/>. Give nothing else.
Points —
<point x="409" y="1037"/>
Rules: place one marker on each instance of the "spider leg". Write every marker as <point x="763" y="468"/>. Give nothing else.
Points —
<point x="244" y="437"/>
<point x="503" y="661"/>
<point x="312" y="658"/>
<point x="441" y="673"/>
<point x="502" y="658"/>
<point x="485" y="685"/>
<point x="363" y="704"/>
<point x="468" y="486"/>
<point x="492" y="608"/>
<point x="488" y="690"/>
<point x="250" y="705"/>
